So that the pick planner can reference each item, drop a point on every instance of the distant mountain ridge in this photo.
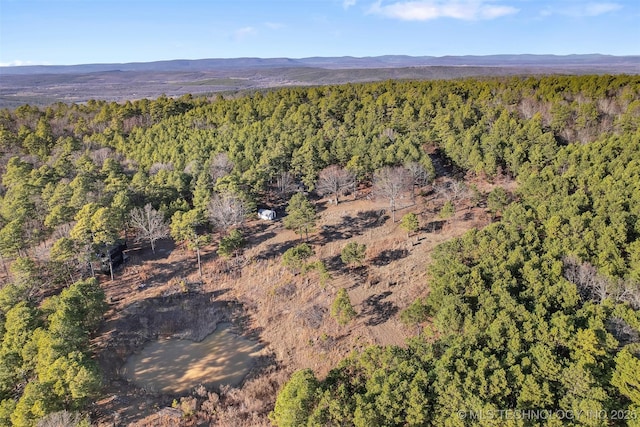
(46, 84)
(334, 63)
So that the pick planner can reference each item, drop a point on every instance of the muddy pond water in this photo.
(175, 366)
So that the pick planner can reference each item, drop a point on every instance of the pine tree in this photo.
(301, 215)
(410, 223)
(341, 308)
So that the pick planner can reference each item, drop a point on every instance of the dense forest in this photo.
(538, 311)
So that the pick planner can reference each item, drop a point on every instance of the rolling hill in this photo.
(43, 84)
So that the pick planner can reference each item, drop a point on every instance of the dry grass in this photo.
(287, 312)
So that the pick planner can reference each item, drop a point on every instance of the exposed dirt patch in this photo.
(176, 365)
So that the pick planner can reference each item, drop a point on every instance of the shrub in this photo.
(353, 253)
(294, 258)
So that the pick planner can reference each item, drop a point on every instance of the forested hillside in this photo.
(537, 311)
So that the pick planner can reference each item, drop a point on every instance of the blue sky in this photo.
(105, 31)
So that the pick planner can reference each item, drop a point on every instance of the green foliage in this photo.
(296, 257)
(20, 323)
(46, 365)
(448, 210)
(184, 227)
(11, 238)
(63, 249)
(417, 312)
(301, 215)
(7, 407)
(231, 244)
(497, 200)
(321, 268)
(105, 226)
(83, 229)
(410, 223)
(24, 272)
(294, 403)
(36, 401)
(376, 387)
(511, 331)
(353, 253)
(341, 308)
(82, 304)
(10, 295)
(73, 378)
(625, 377)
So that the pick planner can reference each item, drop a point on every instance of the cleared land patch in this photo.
(176, 366)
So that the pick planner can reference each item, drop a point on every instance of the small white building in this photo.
(267, 214)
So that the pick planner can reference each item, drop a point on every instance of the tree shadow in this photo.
(260, 232)
(377, 310)
(334, 263)
(387, 256)
(141, 251)
(434, 226)
(320, 205)
(276, 249)
(444, 166)
(351, 226)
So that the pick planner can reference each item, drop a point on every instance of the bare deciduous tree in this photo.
(63, 419)
(101, 154)
(226, 210)
(390, 183)
(590, 284)
(624, 333)
(597, 287)
(458, 190)
(453, 191)
(420, 176)
(285, 185)
(220, 166)
(157, 167)
(150, 224)
(629, 291)
(335, 181)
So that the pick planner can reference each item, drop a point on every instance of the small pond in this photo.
(175, 366)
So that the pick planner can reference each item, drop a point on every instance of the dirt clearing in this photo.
(176, 366)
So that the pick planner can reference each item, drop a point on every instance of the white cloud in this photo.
(274, 25)
(348, 3)
(595, 9)
(244, 32)
(578, 11)
(18, 63)
(426, 10)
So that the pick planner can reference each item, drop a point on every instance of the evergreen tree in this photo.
(353, 253)
(301, 215)
(341, 308)
(184, 228)
(410, 223)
